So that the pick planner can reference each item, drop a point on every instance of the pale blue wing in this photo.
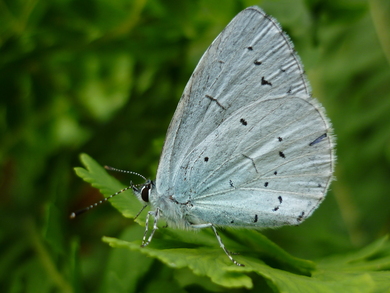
(247, 91)
(228, 77)
(272, 170)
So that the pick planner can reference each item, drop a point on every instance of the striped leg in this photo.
(219, 241)
(156, 215)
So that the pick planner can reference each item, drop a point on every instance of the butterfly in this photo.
(247, 146)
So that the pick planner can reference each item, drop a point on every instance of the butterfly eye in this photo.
(145, 190)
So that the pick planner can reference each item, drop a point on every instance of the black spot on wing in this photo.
(206, 159)
(243, 122)
(265, 82)
(318, 139)
(300, 217)
(280, 139)
(257, 62)
(256, 218)
(281, 154)
(266, 184)
(280, 202)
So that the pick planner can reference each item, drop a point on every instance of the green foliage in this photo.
(104, 77)
(178, 249)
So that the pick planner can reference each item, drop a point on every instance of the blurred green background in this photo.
(104, 77)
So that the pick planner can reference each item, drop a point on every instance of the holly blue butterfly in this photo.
(247, 146)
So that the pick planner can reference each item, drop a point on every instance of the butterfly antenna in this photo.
(79, 212)
(123, 171)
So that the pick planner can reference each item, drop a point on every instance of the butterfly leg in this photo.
(229, 254)
(156, 215)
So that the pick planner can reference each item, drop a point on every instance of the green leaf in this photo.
(202, 261)
(283, 281)
(121, 262)
(95, 174)
(189, 249)
(375, 256)
(355, 272)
